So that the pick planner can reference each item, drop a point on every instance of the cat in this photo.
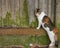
(46, 23)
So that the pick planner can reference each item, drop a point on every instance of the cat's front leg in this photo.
(39, 25)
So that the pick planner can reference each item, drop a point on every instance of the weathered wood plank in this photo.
(21, 31)
(31, 6)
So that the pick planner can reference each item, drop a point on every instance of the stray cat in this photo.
(47, 24)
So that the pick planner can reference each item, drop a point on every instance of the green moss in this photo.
(1, 21)
(7, 21)
(22, 21)
(34, 23)
(41, 38)
(58, 26)
(24, 40)
(18, 18)
(24, 18)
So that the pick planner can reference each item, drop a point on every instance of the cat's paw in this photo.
(51, 44)
(37, 28)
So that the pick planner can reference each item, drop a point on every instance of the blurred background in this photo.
(21, 13)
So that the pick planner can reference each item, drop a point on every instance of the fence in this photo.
(20, 13)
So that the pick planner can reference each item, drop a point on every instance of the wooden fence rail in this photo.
(21, 31)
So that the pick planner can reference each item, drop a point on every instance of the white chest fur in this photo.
(40, 16)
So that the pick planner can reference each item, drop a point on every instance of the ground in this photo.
(24, 40)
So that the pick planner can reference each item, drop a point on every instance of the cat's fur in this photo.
(47, 24)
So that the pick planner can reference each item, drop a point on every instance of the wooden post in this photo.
(49, 7)
(1, 13)
(54, 12)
